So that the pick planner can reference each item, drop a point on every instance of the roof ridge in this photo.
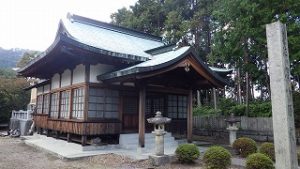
(161, 49)
(116, 28)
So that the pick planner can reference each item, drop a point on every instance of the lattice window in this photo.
(54, 105)
(39, 105)
(46, 103)
(111, 104)
(65, 104)
(103, 103)
(78, 103)
(154, 104)
(177, 106)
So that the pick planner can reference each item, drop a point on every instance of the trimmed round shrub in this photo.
(187, 153)
(244, 146)
(259, 161)
(217, 157)
(268, 149)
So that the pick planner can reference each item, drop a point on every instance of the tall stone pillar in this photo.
(282, 102)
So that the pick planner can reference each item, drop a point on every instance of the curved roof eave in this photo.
(63, 35)
(46, 52)
(136, 70)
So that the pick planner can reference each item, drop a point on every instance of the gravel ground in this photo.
(14, 154)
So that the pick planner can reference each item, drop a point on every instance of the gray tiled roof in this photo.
(157, 60)
(162, 60)
(109, 38)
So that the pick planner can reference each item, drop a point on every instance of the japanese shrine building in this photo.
(101, 80)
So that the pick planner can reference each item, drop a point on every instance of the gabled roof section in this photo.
(99, 38)
(110, 37)
(164, 60)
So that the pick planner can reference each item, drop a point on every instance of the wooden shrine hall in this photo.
(101, 80)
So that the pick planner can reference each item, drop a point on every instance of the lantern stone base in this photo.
(159, 160)
(232, 134)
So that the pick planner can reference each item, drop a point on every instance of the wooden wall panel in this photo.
(80, 128)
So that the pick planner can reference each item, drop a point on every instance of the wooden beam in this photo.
(42, 101)
(86, 96)
(59, 103)
(190, 117)
(71, 82)
(50, 95)
(71, 103)
(142, 108)
(120, 107)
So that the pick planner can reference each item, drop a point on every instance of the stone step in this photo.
(136, 135)
(130, 141)
(147, 140)
(148, 146)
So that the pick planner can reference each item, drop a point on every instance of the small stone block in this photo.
(159, 160)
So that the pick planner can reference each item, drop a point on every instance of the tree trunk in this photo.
(267, 78)
(215, 98)
(239, 92)
(198, 98)
(247, 93)
(246, 61)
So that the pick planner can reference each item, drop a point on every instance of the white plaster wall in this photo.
(39, 90)
(66, 78)
(55, 81)
(47, 88)
(79, 74)
(33, 96)
(99, 69)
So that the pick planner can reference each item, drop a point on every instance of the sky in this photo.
(32, 24)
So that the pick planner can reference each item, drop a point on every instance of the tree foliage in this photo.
(224, 33)
(12, 94)
(26, 58)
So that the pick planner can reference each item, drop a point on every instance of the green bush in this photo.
(298, 157)
(268, 150)
(225, 104)
(217, 157)
(238, 110)
(244, 146)
(259, 161)
(206, 111)
(260, 109)
(187, 153)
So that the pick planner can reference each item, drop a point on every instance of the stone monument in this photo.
(232, 127)
(159, 158)
(281, 96)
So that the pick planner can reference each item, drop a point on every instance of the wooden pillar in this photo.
(48, 133)
(57, 135)
(190, 117)
(83, 140)
(68, 137)
(87, 88)
(142, 108)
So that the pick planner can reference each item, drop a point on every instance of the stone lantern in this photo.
(232, 127)
(159, 130)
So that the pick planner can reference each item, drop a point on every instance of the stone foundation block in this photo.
(159, 160)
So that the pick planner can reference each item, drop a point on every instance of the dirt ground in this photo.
(14, 154)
